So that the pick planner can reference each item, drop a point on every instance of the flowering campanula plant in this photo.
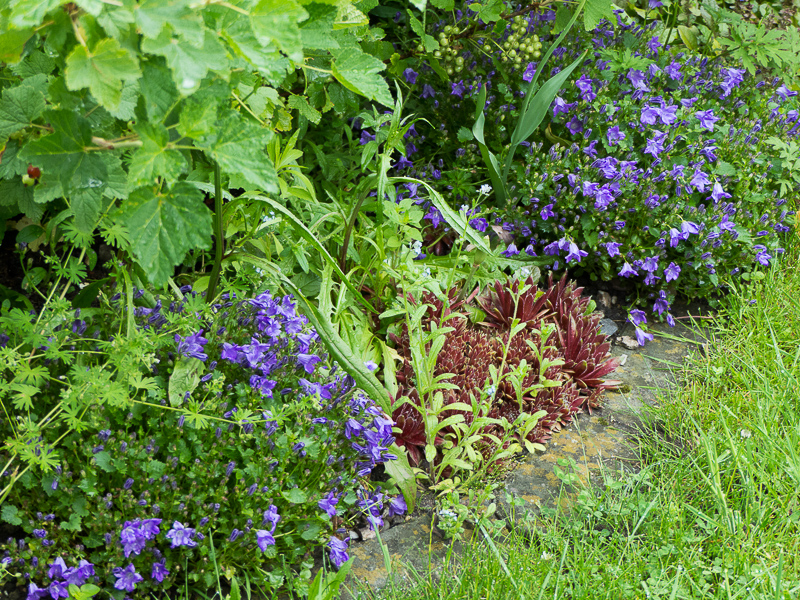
(667, 177)
(234, 427)
(667, 172)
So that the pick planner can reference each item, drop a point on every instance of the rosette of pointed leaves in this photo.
(574, 350)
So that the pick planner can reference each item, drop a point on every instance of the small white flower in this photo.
(745, 433)
(426, 272)
(525, 272)
(546, 556)
(491, 390)
(464, 208)
(416, 247)
(485, 189)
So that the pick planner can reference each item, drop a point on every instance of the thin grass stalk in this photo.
(219, 236)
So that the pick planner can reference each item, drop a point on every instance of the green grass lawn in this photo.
(715, 508)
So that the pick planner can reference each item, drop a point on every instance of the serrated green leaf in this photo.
(63, 152)
(118, 20)
(103, 460)
(488, 11)
(267, 59)
(360, 73)
(188, 62)
(79, 506)
(127, 103)
(295, 496)
(238, 146)
(444, 4)
(185, 378)
(86, 194)
(596, 10)
(11, 165)
(277, 21)
(465, 135)
(349, 16)
(165, 226)
(116, 179)
(305, 109)
(315, 32)
(12, 40)
(31, 12)
(158, 90)
(154, 158)
(35, 63)
(153, 16)
(103, 71)
(197, 118)
(74, 523)
(21, 105)
(9, 514)
(93, 7)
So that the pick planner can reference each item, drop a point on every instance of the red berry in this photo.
(34, 172)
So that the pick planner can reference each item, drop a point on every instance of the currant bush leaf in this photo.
(35, 63)
(158, 91)
(64, 152)
(26, 13)
(595, 11)
(197, 118)
(103, 71)
(316, 31)
(276, 21)
(188, 61)
(360, 73)
(266, 58)
(153, 16)
(305, 109)
(238, 146)
(164, 226)
(154, 158)
(13, 40)
(21, 105)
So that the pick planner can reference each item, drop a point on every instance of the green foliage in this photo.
(747, 32)
(208, 417)
(137, 102)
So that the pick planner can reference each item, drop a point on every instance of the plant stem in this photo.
(219, 241)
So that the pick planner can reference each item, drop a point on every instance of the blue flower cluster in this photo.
(660, 170)
(61, 577)
(290, 440)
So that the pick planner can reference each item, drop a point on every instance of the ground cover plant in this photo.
(666, 170)
(533, 364)
(164, 165)
(713, 510)
(255, 439)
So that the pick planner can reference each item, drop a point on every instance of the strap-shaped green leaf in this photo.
(538, 108)
(309, 237)
(403, 476)
(489, 159)
(536, 105)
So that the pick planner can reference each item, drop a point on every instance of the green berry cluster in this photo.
(519, 48)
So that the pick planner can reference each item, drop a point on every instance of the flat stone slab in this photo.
(596, 442)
